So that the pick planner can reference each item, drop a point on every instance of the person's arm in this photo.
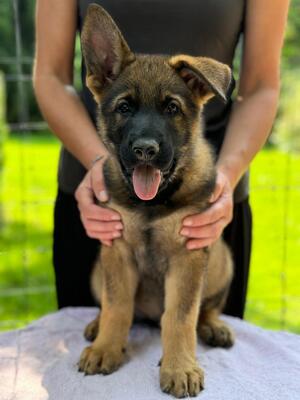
(252, 116)
(53, 80)
(65, 113)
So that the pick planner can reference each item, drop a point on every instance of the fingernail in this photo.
(119, 226)
(116, 234)
(188, 222)
(115, 217)
(103, 196)
(184, 232)
(191, 246)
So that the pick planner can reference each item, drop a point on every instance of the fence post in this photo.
(3, 126)
(3, 134)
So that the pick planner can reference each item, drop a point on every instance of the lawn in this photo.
(274, 290)
(26, 202)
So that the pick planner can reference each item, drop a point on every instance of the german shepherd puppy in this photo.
(160, 170)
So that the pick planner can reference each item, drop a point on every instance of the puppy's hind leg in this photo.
(92, 329)
(211, 329)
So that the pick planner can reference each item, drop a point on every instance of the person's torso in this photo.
(195, 27)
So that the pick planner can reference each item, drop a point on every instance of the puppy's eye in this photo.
(123, 107)
(172, 108)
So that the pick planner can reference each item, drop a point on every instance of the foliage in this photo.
(287, 129)
(8, 49)
(25, 262)
(26, 11)
(291, 54)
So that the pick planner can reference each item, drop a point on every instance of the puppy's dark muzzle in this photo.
(145, 150)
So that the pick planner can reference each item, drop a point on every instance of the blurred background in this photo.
(28, 163)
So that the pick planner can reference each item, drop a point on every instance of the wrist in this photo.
(230, 173)
(96, 159)
(99, 158)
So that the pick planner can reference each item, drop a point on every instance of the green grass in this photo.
(26, 275)
(274, 291)
(28, 189)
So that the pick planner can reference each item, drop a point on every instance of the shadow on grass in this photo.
(25, 256)
(260, 314)
(15, 234)
(26, 264)
(17, 311)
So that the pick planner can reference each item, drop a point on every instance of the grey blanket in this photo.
(39, 362)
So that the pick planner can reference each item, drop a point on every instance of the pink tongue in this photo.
(146, 181)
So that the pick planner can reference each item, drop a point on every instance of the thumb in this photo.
(102, 196)
(98, 185)
(217, 191)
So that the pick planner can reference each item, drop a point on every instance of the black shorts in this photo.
(74, 254)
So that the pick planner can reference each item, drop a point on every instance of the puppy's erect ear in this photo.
(105, 51)
(204, 76)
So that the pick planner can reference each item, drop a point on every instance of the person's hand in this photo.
(204, 229)
(100, 223)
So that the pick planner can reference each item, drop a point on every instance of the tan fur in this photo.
(188, 278)
(118, 286)
(149, 271)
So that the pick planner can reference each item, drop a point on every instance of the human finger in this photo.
(217, 191)
(195, 244)
(107, 242)
(103, 235)
(97, 181)
(101, 226)
(213, 230)
(211, 215)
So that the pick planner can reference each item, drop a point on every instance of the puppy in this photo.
(160, 170)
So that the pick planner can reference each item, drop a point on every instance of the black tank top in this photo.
(209, 28)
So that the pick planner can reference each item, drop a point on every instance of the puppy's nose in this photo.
(145, 149)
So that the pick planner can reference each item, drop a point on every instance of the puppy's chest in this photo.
(151, 256)
(155, 242)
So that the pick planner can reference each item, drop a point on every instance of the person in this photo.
(237, 129)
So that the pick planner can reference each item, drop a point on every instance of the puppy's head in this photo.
(149, 105)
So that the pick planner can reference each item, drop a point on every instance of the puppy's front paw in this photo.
(182, 381)
(99, 360)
